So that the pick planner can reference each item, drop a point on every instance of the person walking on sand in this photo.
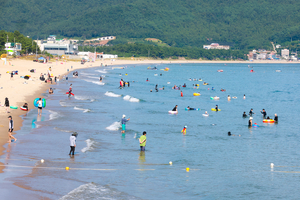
(6, 103)
(10, 130)
(124, 120)
(40, 106)
(142, 141)
(72, 144)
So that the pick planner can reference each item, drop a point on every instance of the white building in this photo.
(216, 46)
(13, 48)
(285, 53)
(107, 38)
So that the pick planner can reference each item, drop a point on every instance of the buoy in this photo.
(272, 165)
(67, 168)
(187, 169)
(170, 163)
(42, 160)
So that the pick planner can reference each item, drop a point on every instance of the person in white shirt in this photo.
(72, 144)
(40, 106)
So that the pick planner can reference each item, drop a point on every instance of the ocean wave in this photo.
(64, 104)
(53, 115)
(94, 77)
(81, 98)
(111, 94)
(95, 82)
(95, 191)
(101, 71)
(114, 126)
(131, 99)
(89, 145)
(62, 130)
(83, 109)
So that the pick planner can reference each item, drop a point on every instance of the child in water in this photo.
(184, 130)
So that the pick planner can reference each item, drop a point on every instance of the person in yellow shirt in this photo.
(142, 140)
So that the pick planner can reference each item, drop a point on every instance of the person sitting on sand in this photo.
(25, 105)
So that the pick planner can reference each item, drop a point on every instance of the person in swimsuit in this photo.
(7, 104)
(264, 113)
(10, 130)
(244, 114)
(40, 106)
(250, 122)
(175, 108)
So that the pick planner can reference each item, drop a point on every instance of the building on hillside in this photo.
(216, 46)
(285, 53)
(91, 56)
(13, 48)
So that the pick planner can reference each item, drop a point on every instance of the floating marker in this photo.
(187, 169)
(170, 163)
(42, 160)
(67, 168)
(272, 165)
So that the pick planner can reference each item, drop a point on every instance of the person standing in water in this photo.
(121, 83)
(264, 113)
(217, 108)
(228, 98)
(142, 141)
(40, 106)
(10, 130)
(124, 121)
(70, 90)
(72, 144)
(276, 118)
(250, 122)
(251, 112)
(244, 96)
(244, 114)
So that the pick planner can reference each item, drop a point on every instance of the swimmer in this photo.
(244, 114)
(229, 134)
(217, 109)
(228, 98)
(50, 91)
(264, 113)
(181, 94)
(206, 113)
(251, 112)
(147, 79)
(184, 130)
(250, 122)
(191, 108)
(100, 79)
(276, 118)
(150, 90)
(175, 108)
(244, 97)
(212, 88)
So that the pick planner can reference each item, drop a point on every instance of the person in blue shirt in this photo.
(124, 120)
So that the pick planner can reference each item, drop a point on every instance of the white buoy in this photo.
(272, 165)
(170, 163)
(42, 160)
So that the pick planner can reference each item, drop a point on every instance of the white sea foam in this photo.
(111, 94)
(95, 82)
(114, 126)
(81, 98)
(83, 109)
(94, 77)
(95, 192)
(101, 71)
(89, 145)
(64, 104)
(131, 99)
(53, 115)
(62, 130)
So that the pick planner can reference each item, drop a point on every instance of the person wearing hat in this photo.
(72, 144)
(10, 130)
(142, 141)
(250, 121)
(124, 120)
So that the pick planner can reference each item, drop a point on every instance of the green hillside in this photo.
(239, 23)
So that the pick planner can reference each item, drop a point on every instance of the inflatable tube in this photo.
(24, 109)
(270, 121)
(234, 97)
(205, 84)
(197, 85)
(173, 112)
(192, 109)
(214, 98)
(213, 109)
(35, 102)
(14, 107)
(205, 115)
(255, 125)
(196, 94)
(71, 93)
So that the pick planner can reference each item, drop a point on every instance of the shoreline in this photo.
(62, 70)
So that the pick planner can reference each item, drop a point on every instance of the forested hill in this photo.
(247, 24)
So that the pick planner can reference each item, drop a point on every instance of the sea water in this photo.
(109, 165)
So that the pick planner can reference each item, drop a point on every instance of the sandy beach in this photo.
(18, 90)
